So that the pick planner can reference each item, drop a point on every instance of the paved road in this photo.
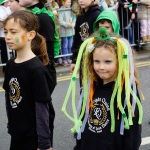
(63, 138)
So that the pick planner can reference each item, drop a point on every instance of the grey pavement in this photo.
(141, 55)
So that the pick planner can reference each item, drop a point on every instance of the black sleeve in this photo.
(134, 7)
(52, 77)
(41, 86)
(42, 125)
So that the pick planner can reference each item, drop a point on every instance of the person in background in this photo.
(4, 12)
(127, 11)
(108, 4)
(67, 21)
(110, 117)
(84, 26)
(14, 5)
(54, 6)
(28, 84)
(144, 18)
(109, 20)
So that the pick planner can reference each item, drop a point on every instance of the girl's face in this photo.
(67, 3)
(105, 64)
(14, 5)
(27, 3)
(15, 36)
(85, 3)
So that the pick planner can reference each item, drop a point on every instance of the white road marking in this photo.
(145, 140)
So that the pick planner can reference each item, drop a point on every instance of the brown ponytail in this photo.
(39, 48)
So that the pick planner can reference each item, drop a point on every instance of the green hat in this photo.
(109, 15)
(3, 1)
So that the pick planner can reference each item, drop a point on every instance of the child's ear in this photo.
(31, 35)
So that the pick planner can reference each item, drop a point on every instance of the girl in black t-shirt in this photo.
(109, 112)
(28, 85)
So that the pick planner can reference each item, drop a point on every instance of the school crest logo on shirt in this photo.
(98, 117)
(84, 31)
(14, 93)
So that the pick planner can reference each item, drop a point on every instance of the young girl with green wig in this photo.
(109, 113)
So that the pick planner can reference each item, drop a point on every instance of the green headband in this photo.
(103, 34)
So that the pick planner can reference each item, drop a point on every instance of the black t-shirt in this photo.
(25, 83)
(84, 28)
(97, 134)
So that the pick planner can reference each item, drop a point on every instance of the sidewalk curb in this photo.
(141, 57)
(62, 69)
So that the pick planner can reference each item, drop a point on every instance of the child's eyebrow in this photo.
(10, 29)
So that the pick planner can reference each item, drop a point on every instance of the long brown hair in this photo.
(60, 2)
(53, 3)
(82, 10)
(29, 22)
(108, 2)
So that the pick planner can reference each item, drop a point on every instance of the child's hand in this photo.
(70, 23)
(116, 6)
(133, 16)
(134, 1)
(72, 66)
(125, 6)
